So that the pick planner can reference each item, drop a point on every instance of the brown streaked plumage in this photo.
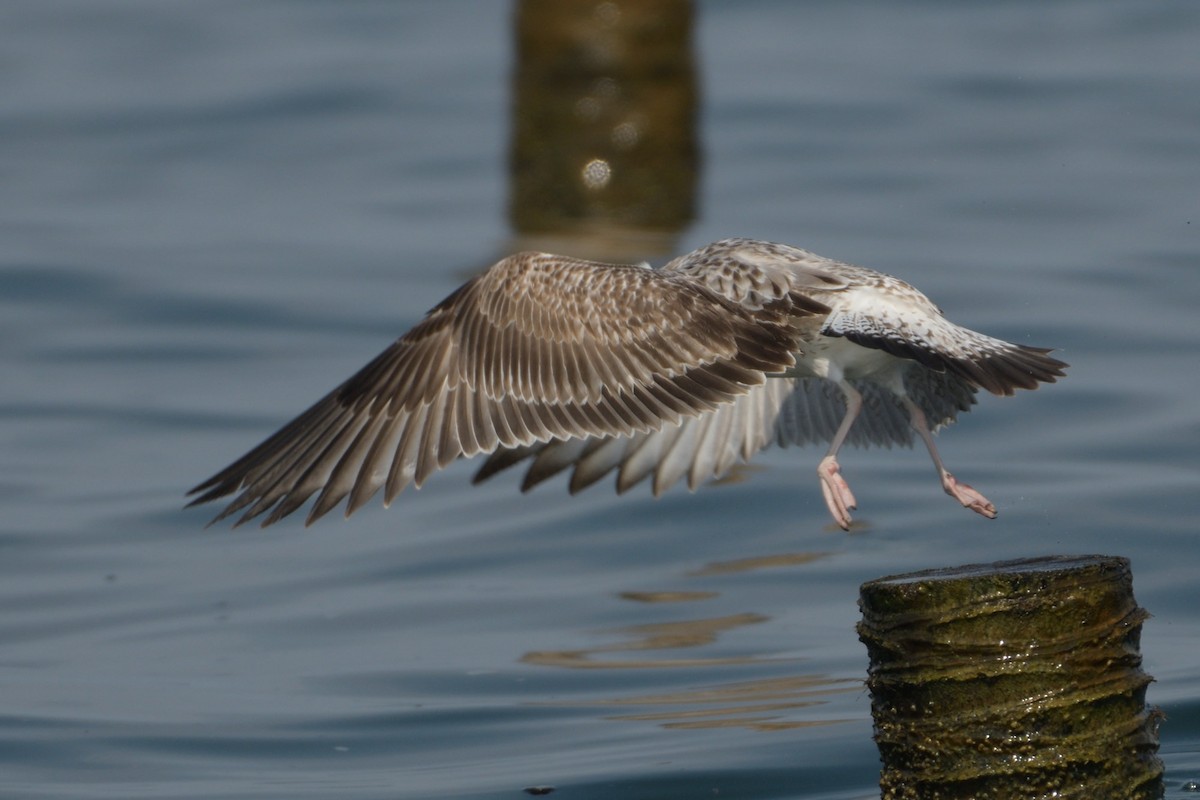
(654, 373)
(882, 364)
(538, 348)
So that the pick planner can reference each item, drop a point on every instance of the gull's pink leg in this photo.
(959, 491)
(838, 497)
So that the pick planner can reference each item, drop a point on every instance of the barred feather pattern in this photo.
(663, 375)
(918, 353)
(539, 348)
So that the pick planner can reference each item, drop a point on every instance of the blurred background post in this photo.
(604, 158)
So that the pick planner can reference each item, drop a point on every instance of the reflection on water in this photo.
(738, 473)
(756, 563)
(766, 704)
(774, 703)
(655, 636)
(679, 634)
(666, 597)
(761, 705)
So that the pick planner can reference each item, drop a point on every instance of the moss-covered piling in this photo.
(1019, 679)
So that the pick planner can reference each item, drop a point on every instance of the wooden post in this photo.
(1019, 679)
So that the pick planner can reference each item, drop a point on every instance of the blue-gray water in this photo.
(212, 212)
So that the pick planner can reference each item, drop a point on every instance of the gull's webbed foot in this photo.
(968, 496)
(838, 496)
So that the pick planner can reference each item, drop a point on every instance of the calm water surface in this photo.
(213, 212)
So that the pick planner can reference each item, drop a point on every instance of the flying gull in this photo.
(656, 374)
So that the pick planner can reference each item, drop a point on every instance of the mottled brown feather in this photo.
(655, 374)
(941, 366)
(538, 348)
